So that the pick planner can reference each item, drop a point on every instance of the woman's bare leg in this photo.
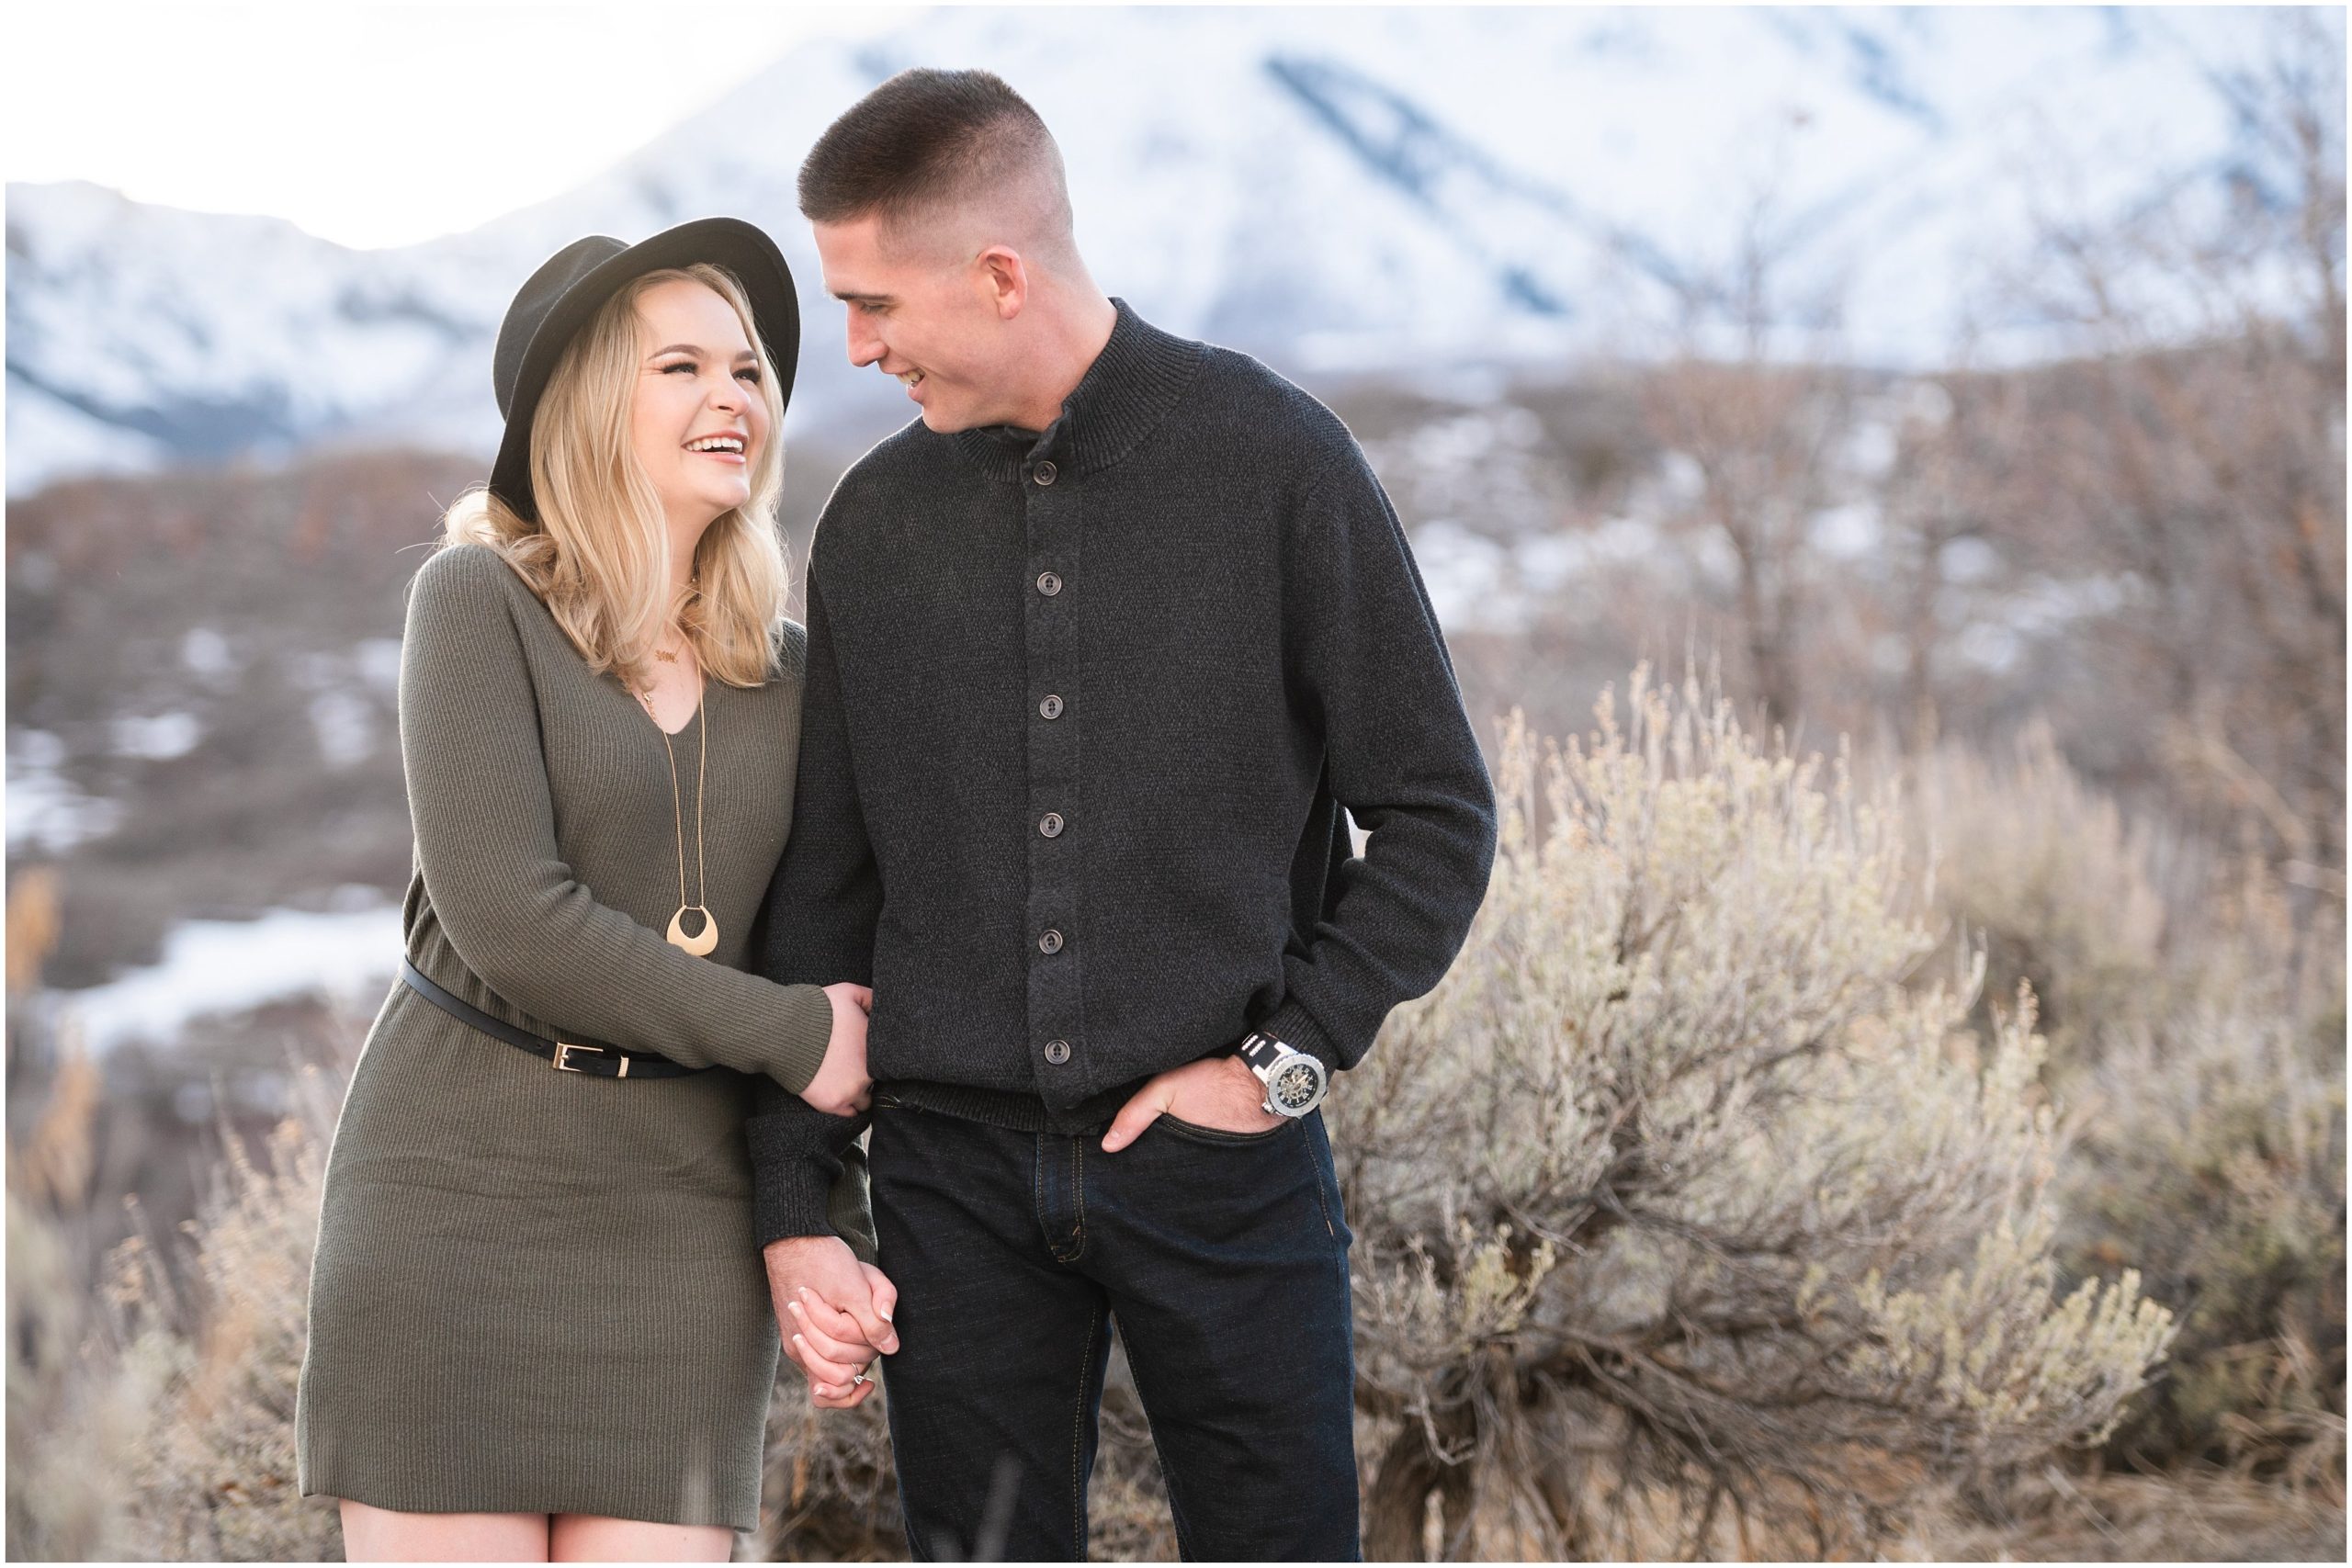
(386, 1535)
(592, 1537)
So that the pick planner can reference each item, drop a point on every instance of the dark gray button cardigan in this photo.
(1197, 565)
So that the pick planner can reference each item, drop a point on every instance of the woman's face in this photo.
(696, 422)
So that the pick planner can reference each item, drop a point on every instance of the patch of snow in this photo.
(1847, 532)
(1680, 478)
(1968, 560)
(157, 738)
(215, 966)
(1463, 571)
(346, 725)
(36, 748)
(205, 653)
(1870, 447)
(49, 439)
(1991, 648)
(377, 662)
(46, 810)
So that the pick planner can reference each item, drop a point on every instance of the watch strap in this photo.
(1261, 1050)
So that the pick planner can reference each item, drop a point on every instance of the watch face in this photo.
(1297, 1085)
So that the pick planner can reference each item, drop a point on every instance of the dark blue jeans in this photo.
(1224, 1259)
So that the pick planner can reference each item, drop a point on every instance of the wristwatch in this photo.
(1295, 1082)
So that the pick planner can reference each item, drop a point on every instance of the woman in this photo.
(540, 1325)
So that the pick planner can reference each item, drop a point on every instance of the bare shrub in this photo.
(2213, 1154)
(2061, 889)
(74, 1412)
(211, 1471)
(2192, 458)
(827, 1494)
(2201, 1047)
(1676, 1211)
(830, 1494)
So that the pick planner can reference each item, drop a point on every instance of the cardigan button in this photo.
(1050, 943)
(1049, 584)
(1045, 473)
(1057, 1052)
(1050, 708)
(1050, 825)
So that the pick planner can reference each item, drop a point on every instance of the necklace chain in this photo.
(708, 939)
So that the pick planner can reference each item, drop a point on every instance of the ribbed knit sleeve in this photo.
(481, 808)
(1371, 665)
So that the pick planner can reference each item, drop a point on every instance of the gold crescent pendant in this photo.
(697, 946)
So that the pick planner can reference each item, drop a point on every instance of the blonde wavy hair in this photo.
(595, 556)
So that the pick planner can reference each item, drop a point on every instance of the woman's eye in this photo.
(750, 375)
(685, 365)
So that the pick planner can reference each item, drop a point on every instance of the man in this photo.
(1098, 649)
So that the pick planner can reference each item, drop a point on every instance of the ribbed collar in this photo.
(1123, 397)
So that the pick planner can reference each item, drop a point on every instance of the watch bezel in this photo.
(1286, 1057)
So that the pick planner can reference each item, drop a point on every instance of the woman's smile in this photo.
(726, 446)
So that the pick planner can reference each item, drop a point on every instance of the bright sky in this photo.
(371, 125)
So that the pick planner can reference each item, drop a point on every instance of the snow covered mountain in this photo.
(1404, 191)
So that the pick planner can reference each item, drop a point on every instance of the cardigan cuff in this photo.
(791, 1204)
(795, 1185)
(1295, 1027)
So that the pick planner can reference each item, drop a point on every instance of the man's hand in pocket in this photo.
(1215, 1091)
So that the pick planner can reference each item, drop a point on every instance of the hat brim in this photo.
(741, 248)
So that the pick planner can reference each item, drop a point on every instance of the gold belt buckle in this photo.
(564, 1047)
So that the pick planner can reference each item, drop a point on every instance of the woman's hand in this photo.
(836, 1314)
(840, 1085)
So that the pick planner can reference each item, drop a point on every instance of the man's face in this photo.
(928, 318)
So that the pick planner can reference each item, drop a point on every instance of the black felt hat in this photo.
(557, 300)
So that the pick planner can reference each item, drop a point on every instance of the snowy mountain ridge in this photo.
(1407, 192)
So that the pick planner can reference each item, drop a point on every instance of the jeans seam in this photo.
(1307, 1148)
(1062, 1251)
(1078, 1443)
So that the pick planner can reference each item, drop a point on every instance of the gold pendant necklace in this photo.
(702, 945)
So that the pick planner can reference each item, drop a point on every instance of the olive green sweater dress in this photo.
(538, 1290)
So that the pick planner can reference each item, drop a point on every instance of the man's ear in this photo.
(1003, 278)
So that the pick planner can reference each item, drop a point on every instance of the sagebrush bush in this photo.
(1674, 1202)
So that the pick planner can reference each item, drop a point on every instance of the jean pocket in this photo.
(1201, 1134)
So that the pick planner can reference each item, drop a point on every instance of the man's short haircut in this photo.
(929, 140)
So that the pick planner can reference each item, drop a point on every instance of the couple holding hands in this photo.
(1038, 934)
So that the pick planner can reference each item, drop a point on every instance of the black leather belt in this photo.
(568, 1055)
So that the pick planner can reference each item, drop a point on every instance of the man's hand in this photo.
(840, 1085)
(834, 1312)
(1215, 1091)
